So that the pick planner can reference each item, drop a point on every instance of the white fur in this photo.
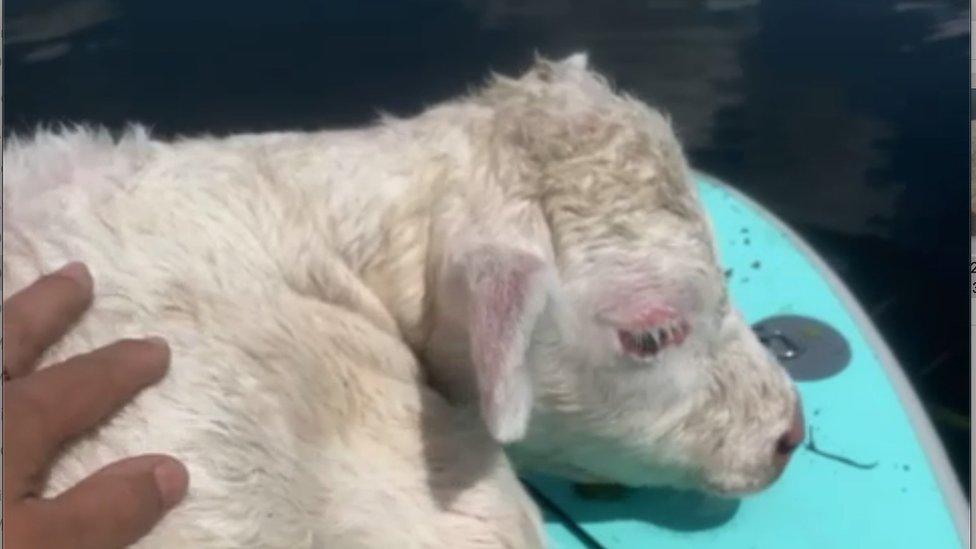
(298, 276)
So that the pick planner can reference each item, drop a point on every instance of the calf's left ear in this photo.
(507, 292)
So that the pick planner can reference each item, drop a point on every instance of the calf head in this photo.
(579, 300)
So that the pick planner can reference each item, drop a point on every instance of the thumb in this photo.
(117, 505)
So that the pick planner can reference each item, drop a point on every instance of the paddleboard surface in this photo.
(877, 475)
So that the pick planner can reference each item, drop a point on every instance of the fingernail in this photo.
(172, 480)
(159, 342)
(78, 272)
(163, 347)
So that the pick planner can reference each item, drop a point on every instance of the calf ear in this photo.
(507, 291)
(579, 61)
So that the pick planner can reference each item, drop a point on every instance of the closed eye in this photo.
(648, 343)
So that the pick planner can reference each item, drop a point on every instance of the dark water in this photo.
(846, 118)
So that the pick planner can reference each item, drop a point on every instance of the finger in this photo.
(57, 403)
(23, 523)
(117, 505)
(37, 316)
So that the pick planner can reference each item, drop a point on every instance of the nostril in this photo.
(787, 443)
(792, 438)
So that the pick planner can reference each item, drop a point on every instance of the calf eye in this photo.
(650, 342)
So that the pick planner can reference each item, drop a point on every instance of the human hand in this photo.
(116, 505)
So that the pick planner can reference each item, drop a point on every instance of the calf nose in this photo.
(793, 437)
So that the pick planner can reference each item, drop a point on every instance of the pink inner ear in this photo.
(506, 298)
(496, 310)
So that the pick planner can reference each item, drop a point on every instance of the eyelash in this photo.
(649, 343)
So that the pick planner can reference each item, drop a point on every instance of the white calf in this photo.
(538, 244)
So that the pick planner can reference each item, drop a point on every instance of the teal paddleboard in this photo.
(876, 475)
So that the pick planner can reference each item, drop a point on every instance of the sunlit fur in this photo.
(595, 183)
(298, 276)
